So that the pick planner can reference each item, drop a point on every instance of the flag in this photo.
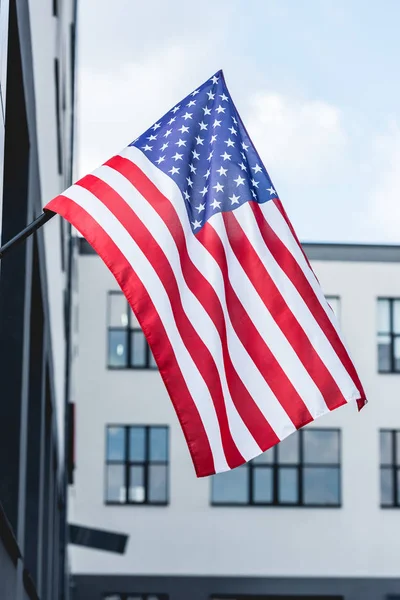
(189, 223)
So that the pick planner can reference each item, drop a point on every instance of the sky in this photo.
(315, 81)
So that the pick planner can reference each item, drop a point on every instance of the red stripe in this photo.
(204, 292)
(281, 313)
(151, 323)
(295, 273)
(251, 339)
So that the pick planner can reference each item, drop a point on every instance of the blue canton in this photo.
(204, 147)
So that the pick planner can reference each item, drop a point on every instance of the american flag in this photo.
(188, 221)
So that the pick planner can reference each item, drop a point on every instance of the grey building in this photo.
(37, 57)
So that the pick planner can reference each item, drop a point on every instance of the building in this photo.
(317, 518)
(37, 56)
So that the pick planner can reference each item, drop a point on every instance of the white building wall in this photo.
(190, 537)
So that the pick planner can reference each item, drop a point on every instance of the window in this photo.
(58, 115)
(135, 597)
(334, 303)
(388, 335)
(302, 470)
(390, 467)
(137, 465)
(127, 346)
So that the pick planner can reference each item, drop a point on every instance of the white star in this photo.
(215, 204)
(271, 191)
(147, 148)
(192, 168)
(234, 199)
(214, 79)
(195, 92)
(210, 95)
(239, 181)
(180, 143)
(226, 156)
(244, 146)
(190, 182)
(191, 103)
(168, 132)
(257, 169)
(230, 143)
(203, 126)
(164, 146)
(213, 139)
(151, 138)
(223, 97)
(204, 191)
(253, 194)
(234, 120)
(177, 156)
(233, 130)
(160, 160)
(195, 155)
(243, 167)
(216, 123)
(210, 156)
(174, 170)
(196, 224)
(184, 129)
(207, 111)
(187, 116)
(171, 120)
(255, 183)
(199, 140)
(222, 171)
(207, 175)
(156, 126)
(218, 187)
(187, 197)
(243, 155)
(220, 109)
(201, 207)
(175, 110)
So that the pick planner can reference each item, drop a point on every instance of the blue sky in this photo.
(314, 80)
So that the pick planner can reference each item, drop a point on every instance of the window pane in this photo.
(385, 438)
(114, 597)
(396, 350)
(265, 457)
(288, 485)
(321, 485)
(152, 362)
(138, 349)
(136, 484)
(396, 316)
(117, 350)
(334, 303)
(157, 483)
(288, 449)
(321, 446)
(398, 486)
(383, 316)
(116, 490)
(118, 310)
(387, 492)
(262, 485)
(231, 487)
(116, 443)
(384, 360)
(158, 444)
(137, 444)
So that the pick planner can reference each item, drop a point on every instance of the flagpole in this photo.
(29, 229)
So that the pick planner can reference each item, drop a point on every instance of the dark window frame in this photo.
(142, 596)
(391, 334)
(58, 115)
(129, 330)
(393, 466)
(300, 466)
(127, 463)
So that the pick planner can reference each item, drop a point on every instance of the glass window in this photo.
(390, 467)
(302, 470)
(388, 335)
(127, 345)
(137, 465)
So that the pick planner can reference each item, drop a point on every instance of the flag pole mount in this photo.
(25, 233)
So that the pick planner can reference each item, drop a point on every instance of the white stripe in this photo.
(199, 391)
(267, 326)
(244, 366)
(295, 303)
(194, 310)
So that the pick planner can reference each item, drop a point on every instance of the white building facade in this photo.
(315, 518)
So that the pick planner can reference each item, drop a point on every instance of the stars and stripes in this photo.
(189, 223)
